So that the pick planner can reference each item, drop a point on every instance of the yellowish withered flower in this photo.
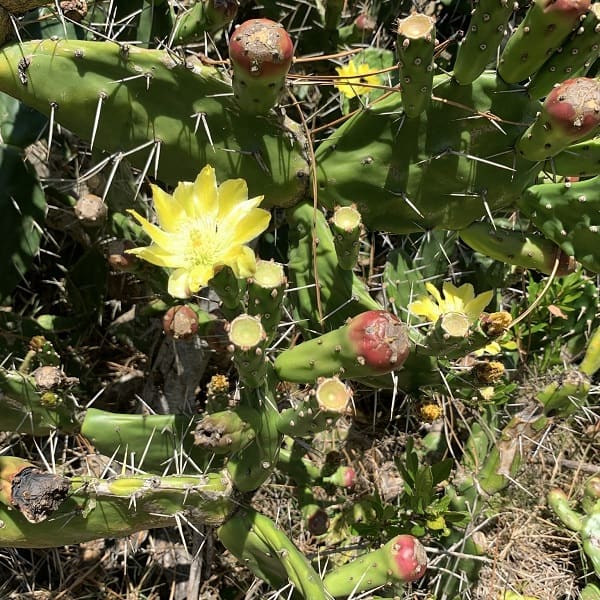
(430, 412)
(202, 227)
(361, 81)
(456, 300)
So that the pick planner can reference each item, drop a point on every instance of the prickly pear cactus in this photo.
(332, 257)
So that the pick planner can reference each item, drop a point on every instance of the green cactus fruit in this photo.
(517, 248)
(318, 411)
(570, 112)
(568, 214)
(117, 507)
(489, 20)
(119, 103)
(445, 169)
(230, 290)
(313, 261)
(154, 443)
(266, 289)
(248, 343)
(453, 335)
(204, 16)
(402, 560)
(544, 28)
(372, 343)
(226, 431)
(261, 53)
(574, 57)
(346, 227)
(26, 409)
(416, 44)
(578, 160)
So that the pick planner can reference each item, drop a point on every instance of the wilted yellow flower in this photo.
(203, 227)
(360, 74)
(456, 300)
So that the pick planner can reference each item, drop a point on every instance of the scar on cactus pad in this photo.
(203, 227)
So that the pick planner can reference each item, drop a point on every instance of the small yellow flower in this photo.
(430, 412)
(359, 74)
(456, 300)
(203, 227)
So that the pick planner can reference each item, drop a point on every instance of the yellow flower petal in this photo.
(157, 235)
(242, 261)
(434, 292)
(157, 256)
(231, 194)
(456, 298)
(204, 228)
(425, 307)
(200, 275)
(169, 211)
(179, 284)
(251, 226)
(475, 307)
(206, 196)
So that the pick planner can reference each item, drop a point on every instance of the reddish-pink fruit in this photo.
(180, 322)
(574, 106)
(571, 9)
(262, 48)
(380, 338)
(408, 557)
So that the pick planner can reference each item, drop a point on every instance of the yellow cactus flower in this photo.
(430, 412)
(456, 300)
(360, 74)
(202, 228)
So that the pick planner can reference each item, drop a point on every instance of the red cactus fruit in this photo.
(408, 558)
(574, 106)
(262, 48)
(180, 322)
(379, 339)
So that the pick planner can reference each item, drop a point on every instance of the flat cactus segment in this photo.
(438, 170)
(487, 27)
(127, 98)
(342, 293)
(117, 507)
(516, 248)
(570, 113)
(574, 57)
(544, 28)
(416, 44)
(578, 160)
(154, 443)
(204, 17)
(568, 214)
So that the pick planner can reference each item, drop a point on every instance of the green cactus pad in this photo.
(544, 28)
(487, 27)
(568, 214)
(433, 171)
(128, 86)
(117, 507)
